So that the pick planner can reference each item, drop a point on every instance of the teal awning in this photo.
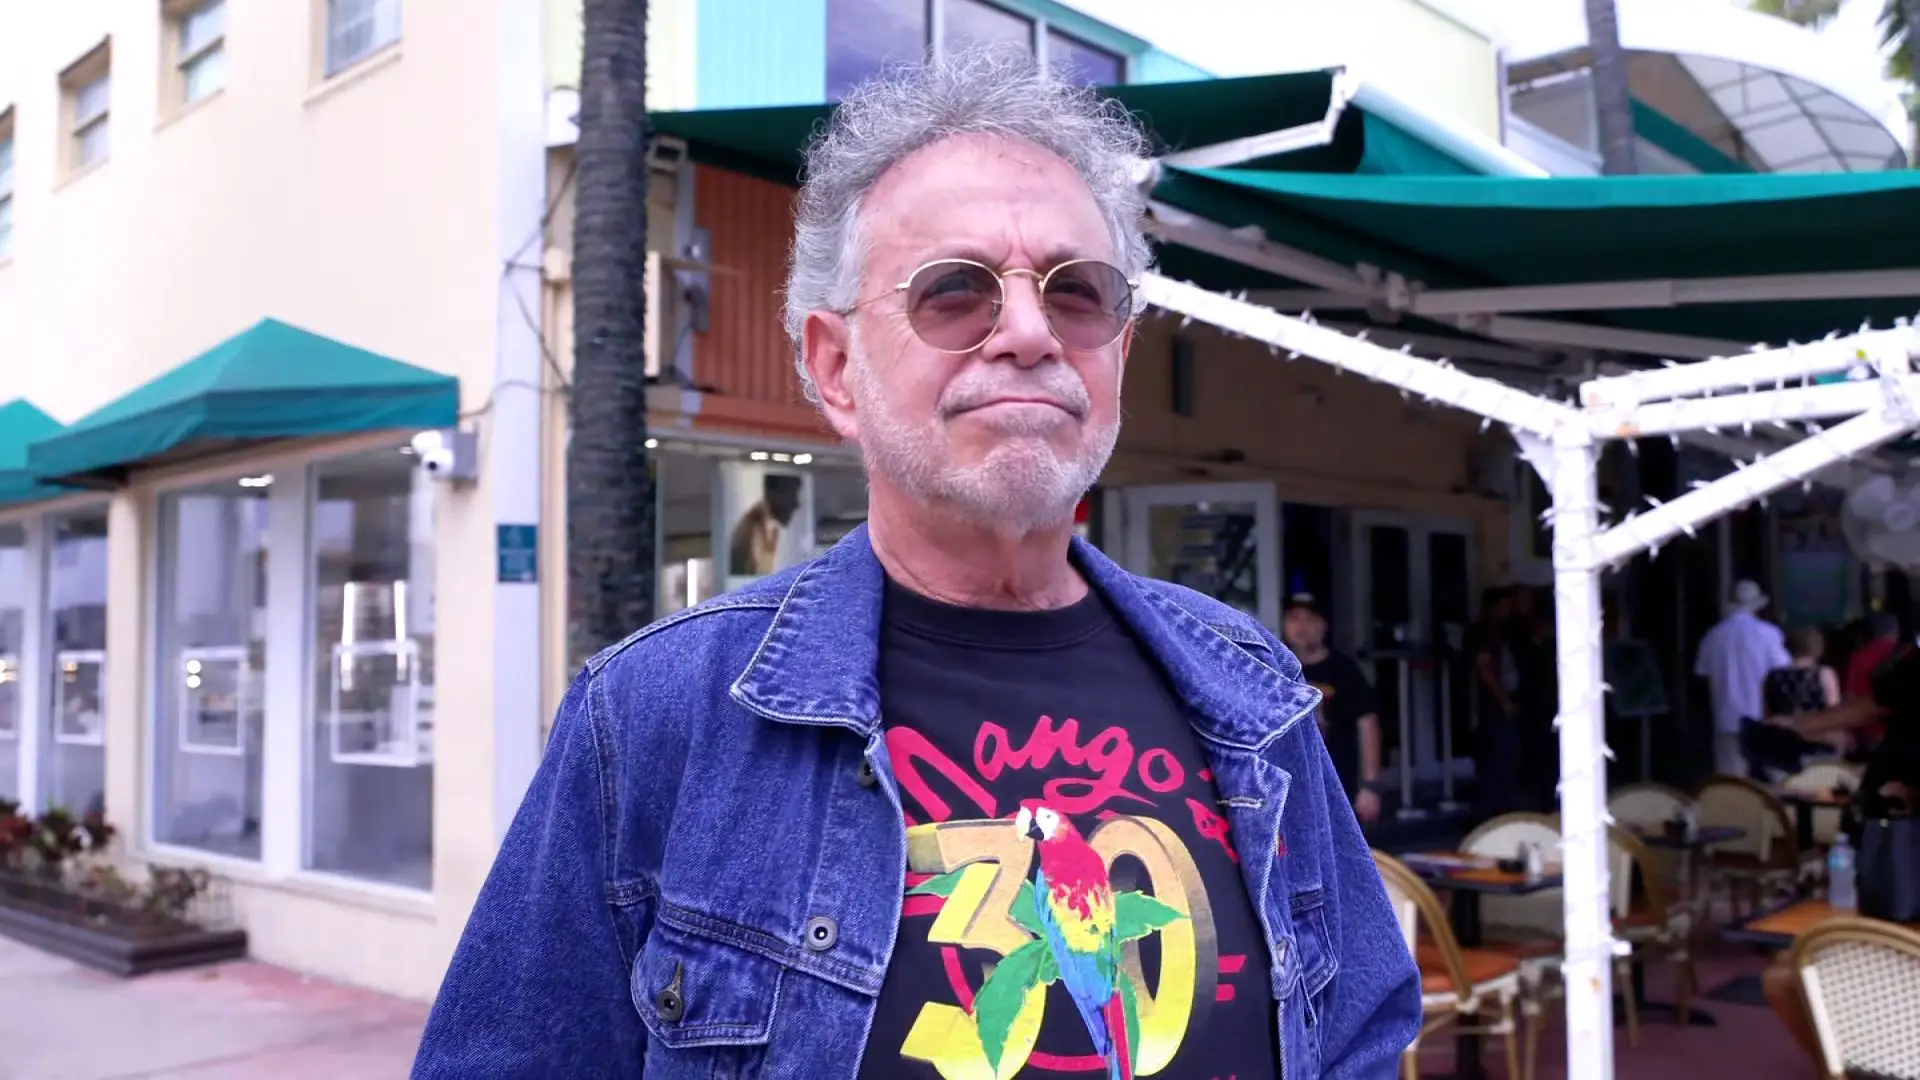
(768, 142)
(273, 381)
(1489, 232)
(21, 425)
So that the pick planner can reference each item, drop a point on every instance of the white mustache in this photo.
(1053, 382)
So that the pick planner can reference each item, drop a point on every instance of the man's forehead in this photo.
(977, 196)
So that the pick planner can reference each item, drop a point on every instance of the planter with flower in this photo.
(60, 890)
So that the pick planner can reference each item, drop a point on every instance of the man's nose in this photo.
(1022, 336)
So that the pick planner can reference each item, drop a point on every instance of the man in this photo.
(933, 803)
(1349, 712)
(1734, 658)
(1883, 631)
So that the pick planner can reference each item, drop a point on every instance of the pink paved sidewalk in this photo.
(241, 1020)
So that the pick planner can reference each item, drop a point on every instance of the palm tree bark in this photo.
(1612, 98)
(610, 495)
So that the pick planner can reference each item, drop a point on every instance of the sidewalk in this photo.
(60, 1021)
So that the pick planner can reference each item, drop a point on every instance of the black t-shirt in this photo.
(1345, 697)
(1896, 688)
(1045, 753)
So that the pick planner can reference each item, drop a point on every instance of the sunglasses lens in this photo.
(953, 305)
(1088, 304)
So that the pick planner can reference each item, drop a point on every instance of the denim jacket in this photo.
(705, 877)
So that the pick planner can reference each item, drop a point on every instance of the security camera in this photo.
(450, 455)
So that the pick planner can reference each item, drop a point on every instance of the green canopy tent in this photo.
(22, 424)
(1690, 266)
(271, 381)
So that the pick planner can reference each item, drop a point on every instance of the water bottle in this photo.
(1536, 862)
(1841, 895)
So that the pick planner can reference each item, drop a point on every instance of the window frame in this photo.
(11, 148)
(95, 69)
(326, 64)
(157, 688)
(177, 61)
(1043, 29)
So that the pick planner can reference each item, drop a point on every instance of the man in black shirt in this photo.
(1894, 769)
(1349, 710)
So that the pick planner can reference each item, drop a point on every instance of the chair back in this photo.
(1504, 837)
(1862, 977)
(1821, 777)
(1415, 904)
(1631, 858)
(1648, 806)
(1739, 802)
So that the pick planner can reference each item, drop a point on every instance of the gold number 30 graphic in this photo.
(978, 914)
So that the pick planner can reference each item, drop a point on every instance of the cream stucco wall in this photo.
(1421, 51)
(365, 208)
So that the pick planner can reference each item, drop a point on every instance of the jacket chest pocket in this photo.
(708, 1006)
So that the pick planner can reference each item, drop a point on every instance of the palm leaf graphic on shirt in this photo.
(997, 1005)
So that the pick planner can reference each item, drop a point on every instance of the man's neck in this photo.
(944, 558)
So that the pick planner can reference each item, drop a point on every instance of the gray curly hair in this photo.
(995, 90)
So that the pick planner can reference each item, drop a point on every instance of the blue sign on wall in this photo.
(519, 553)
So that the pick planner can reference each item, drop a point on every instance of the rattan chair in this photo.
(1862, 982)
(1457, 986)
(1766, 860)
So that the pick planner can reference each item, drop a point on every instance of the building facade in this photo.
(237, 644)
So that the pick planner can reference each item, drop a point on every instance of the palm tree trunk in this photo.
(610, 498)
(1613, 100)
(1908, 12)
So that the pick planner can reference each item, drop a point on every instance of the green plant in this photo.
(170, 890)
(57, 836)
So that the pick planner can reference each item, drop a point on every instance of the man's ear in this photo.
(826, 343)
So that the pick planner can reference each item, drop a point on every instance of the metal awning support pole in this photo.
(1584, 844)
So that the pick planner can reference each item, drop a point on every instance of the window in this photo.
(965, 23)
(370, 771)
(863, 36)
(76, 769)
(1076, 61)
(211, 668)
(13, 627)
(87, 91)
(6, 182)
(197, 62)
(356, 29)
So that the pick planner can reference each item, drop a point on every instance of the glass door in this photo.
(1219, 539)
(1411, 593)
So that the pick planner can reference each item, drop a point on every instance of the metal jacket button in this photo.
(868, 777)
(821, 933)
(672, 1007)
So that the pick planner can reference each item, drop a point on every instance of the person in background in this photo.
(1496, 679)
(1883, 630)
(1349, 710)
(1537, 697)
(1802, 687)
(1734, 658)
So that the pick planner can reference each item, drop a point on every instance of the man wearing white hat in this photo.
(1734, 658)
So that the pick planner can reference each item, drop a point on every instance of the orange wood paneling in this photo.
(745, 354)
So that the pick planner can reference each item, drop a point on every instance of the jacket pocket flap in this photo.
(692, 990)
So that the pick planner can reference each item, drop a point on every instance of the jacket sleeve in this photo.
(539, 983)
(1373, 1011)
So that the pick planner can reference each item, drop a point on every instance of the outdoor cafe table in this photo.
(1777, 929)
(1689, 848)
(1467, 878)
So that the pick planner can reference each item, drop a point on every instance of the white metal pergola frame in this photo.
(1563, 442)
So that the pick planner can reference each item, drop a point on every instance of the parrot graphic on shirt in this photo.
(1074, 906)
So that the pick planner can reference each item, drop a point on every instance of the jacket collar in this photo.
(818, 662)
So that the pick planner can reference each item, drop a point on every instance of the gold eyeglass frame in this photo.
(1000, 278)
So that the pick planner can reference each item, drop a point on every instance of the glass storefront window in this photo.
(761, 512)
(212, 668)
(76, 768)
(370, 764)
(13, 628)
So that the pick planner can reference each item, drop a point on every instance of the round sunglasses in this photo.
(954, 305)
